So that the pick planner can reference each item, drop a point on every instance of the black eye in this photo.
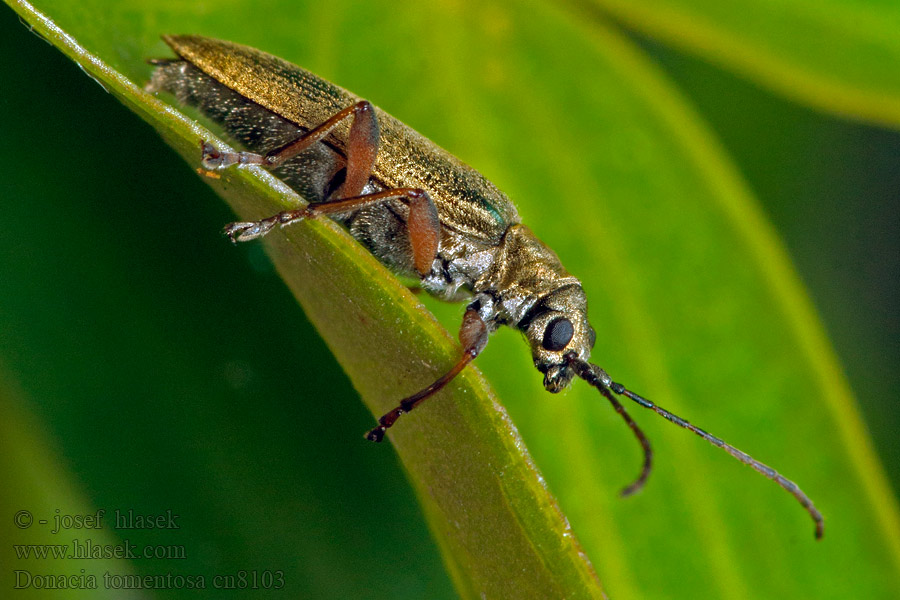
(592, 336)
(558, 334)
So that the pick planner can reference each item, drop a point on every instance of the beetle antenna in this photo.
(645, 444)
(599, 378)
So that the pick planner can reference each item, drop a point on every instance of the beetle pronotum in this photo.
(417, 208)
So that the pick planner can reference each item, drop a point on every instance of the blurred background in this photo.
(139, 312)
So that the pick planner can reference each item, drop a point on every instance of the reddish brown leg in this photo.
(362, 149)
(473, 335)
(423, 224)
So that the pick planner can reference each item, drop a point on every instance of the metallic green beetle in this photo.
(417, 208)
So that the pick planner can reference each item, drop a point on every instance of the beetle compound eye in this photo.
(558, 334)
(592, 337)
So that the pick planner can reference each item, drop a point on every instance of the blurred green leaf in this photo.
(694, 301)
(840, 56)
(36, 471)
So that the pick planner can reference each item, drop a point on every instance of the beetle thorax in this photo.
(528, 288)
(523, 272)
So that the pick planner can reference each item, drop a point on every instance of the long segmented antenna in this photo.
(645, 444)
(598, 378)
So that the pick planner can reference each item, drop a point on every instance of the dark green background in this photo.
(135, 316)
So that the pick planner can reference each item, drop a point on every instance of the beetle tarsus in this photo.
(210, 157)
(376, 434)
(213, 159)
(247, 230)
(242, 231)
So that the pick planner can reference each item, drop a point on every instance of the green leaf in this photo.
(840, 56)
(693, 299)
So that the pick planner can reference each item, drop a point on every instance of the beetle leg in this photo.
(361, 148)
(423, 224)
(473, 335)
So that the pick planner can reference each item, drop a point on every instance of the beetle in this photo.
(417, 208)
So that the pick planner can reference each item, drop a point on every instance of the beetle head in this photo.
(558, 331)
